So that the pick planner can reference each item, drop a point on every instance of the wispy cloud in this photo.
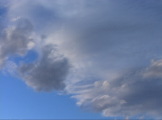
(135, 92)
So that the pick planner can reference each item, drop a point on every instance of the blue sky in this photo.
(20, 102)
(86, 59)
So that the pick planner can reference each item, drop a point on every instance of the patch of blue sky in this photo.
(18, 101)
(30, 57)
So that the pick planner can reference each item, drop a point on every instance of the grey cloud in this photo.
(45, 74)
(137, 92)
(111, 40)
(115, 36)
(48, 73)
(155, 70)
(15, 39)
(111, 32)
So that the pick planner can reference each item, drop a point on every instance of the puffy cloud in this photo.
(48, 73)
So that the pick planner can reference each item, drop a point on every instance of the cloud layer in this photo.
(105, 53)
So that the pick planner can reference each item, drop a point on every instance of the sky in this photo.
(80, 59)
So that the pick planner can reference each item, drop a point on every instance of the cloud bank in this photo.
(104, 53)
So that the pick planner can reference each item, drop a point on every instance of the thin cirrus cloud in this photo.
(106, 54)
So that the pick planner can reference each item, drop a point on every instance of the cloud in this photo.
(110, 45)
(15, 39)
(154, 70)
(50, 69)
(137, 92)
(48, 73)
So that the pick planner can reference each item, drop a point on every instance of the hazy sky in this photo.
(80, 58)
